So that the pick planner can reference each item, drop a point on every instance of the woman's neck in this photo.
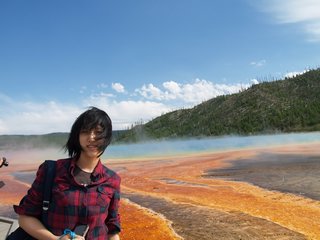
(87, 164)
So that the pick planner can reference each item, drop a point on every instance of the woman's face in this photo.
(90, 142)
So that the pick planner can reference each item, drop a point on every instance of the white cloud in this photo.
(293, 74)
(136, 111)
(36, 118)
(118, 87)
(294, 11)
(259, 63)
(254, 81)
(190, 93)
(150, 91)
(47, 117)
(172, 87)
(306, 13)
(126, 112)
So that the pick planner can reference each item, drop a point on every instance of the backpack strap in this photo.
(47, 189)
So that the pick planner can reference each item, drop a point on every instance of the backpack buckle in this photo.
(45, 205)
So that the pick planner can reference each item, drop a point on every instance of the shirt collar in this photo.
(96, 175)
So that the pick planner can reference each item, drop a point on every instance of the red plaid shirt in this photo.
(73, 204)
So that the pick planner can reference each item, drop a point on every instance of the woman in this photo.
(85, 192)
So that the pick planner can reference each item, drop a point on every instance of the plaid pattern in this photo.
(73, 204)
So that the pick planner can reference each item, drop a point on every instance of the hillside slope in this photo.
(288, 105)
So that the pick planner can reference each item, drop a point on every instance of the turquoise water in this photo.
(175, 147)
(166, 147)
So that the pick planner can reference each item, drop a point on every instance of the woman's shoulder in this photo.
(63, 163)
(110, 172)
(112, 176)
(63, 160)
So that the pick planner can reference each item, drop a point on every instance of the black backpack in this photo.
(19, 233)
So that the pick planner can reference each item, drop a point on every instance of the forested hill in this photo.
(288, 105)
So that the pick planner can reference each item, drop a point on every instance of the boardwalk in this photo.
(7, 225)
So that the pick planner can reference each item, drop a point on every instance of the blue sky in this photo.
(139, 59)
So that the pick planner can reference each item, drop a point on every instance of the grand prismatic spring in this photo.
(263, 187)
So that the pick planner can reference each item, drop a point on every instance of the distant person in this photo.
(85, 192)
(3, 162)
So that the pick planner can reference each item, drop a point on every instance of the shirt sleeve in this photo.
(113, 219)
(31, 204)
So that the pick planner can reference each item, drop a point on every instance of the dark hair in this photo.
(89, 120)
